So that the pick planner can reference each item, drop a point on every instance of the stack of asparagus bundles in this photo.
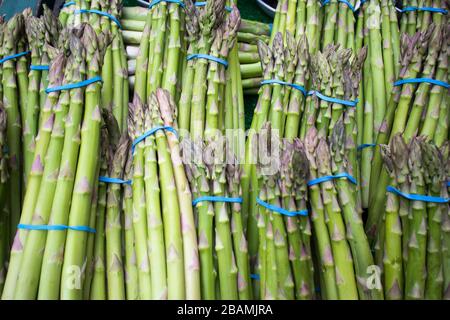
(282, 105)
(4, 232)
(416, 15)
(285, 260)
(204, 108)
(163, 222)
(418, 105)
(416, 220)
(104, 16)
(57, 205)
(13, 94)
(214, 174)
(378, 30)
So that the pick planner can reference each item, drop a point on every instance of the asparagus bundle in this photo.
(41, 33)
(4, 234)
(339, 24)
(377, 28)
(59, 190)
(168, 266)
(214, 173)
(14, 96)
(415, 232)
(417, 15)
(162, 48)
(285, 258)
(133, 21)
(115, 90)
(342, 246)
(203, 109)
(413, 108)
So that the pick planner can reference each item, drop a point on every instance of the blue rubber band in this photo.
(149, 133)
(203, 3)
(281, 210)
(216, 199)
(349, 5)
(417, 197)
(283, 83)
(422, 80)
(70, 86)
(366, 145)
(207, 57)
(329, 178)
(100, 13)
(155, 2)
(56, 227)
(429, 9)
(113, 180)
(255, 276)
(68, 4)
(39, 68)
(14, 56)
(321, 96)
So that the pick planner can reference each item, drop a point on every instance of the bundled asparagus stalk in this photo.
(168, 266)
(115, 91)
(415, 231)
(413, 109)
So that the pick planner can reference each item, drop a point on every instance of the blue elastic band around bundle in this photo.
(70, 86)
(216, 199)
(422, 80)
(281, 210)
(100, 13)
(68, 4)
(429, 9)
(113, 180)
(14, 56)
(39, 68)
(56, 227)
(207, 57)
(203, 3)
(417, 197)
(255, 276)
(349, 5)
(366, 145)
(152, 132)
(329, 178)
(321, 96)
(155, 2)
(283, 83)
